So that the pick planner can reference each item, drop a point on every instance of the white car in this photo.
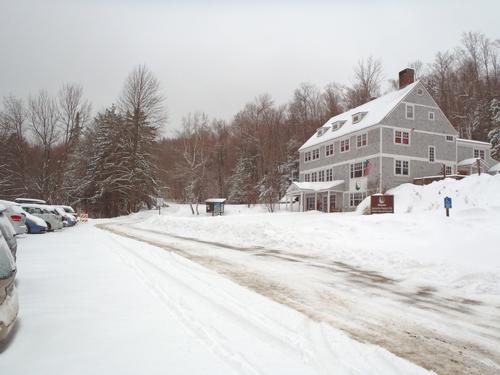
(16, 215)
(9, 305)
(68, 219)
(53, 219)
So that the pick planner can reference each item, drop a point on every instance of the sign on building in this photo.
(382, 204)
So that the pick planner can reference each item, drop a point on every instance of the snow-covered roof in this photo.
(469, 162)
(495, 168)
(9, 203)
(30, 200)
(215, 200)
(480, 143)
(371, 114)
(314, 186)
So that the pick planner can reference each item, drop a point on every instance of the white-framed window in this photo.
(314, 177)
(361, 140)
(315, 154)
(356, 198)
(420, 92)
(360, 169)
(431, 115)
(307, 156)
(432, 154)
(410, 111)
(329, 150)
(329, 174)
(448, 169)
(450, 138)
(401, 167)
(401, 137)
(357, 170)
(321, 176)
(344, 145)
(307, 177)
(478, 153)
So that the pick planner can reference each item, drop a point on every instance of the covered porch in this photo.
(471, 166)
(320, 196)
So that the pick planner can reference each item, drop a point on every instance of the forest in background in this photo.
(115, 162)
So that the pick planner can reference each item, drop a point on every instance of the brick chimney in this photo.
(406, 77)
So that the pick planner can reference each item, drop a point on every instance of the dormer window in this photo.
(357, 117)
(321, 131)
(337, 125)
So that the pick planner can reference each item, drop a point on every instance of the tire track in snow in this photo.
(217, 345)
(427, 347)
(260, 325)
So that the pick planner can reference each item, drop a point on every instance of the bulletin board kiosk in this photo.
(215, 206)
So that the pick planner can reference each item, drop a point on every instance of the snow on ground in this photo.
(416, 244)
(96, 303)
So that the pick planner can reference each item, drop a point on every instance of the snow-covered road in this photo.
(92, 302)
(443, 331)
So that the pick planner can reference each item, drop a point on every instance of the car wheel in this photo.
(28, 227)
(49, 228)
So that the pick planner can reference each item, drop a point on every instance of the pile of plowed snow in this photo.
(471, 192)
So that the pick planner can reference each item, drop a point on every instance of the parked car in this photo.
(68, 219)
(69, 210)
(8, 233)
(29, 201)
(51, 217)
(35, 224)
(9, 305)
(16, 215)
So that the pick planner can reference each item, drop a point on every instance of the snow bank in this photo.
(471, 192)
(418, 243)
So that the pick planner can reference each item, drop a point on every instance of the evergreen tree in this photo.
(494, 134)
(141, 107)
(241, 188)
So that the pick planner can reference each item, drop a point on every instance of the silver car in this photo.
(52, 217)
(7, 230)
(16, 215)
(9, 305)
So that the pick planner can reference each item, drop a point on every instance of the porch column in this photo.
(315, 201)
(328, 202)
(301, 202)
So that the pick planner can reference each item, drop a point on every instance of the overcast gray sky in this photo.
(215, 56)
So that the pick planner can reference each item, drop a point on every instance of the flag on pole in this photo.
(367, 168)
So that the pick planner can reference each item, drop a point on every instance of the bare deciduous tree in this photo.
(44, 121)
(74, 112)
(366, 85)
(192, 166)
